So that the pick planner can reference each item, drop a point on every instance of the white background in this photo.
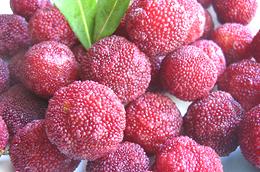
(235, 162)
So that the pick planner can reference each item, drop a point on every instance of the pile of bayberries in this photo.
(61, 103)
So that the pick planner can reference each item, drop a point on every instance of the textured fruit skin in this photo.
(118, 64)
(14, 34)
(4, 76)
(235, 11)
(214, 52)
(3, 135)
(154, 27)
(205, 3)
(129, 157)
(79, 52)
(151, 120)
(242, 81)
(30, 150)
(27, 8)
(47, 67)
(183, 154)
(18, 107)
(85, 120)
(255, 47)
(234, 40)
(213, 121)
(209, 25)
(49, 24)
(249, 136)
(188, 73)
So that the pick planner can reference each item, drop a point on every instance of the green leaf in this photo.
(108, 17)
(81, 16)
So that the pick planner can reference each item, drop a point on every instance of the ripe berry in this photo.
(205, 3)
(242, 81)
(4, 76)
(209, 25)
(120, 65)
(214, 52)
(49, 24)
(184, 154)
(188, 73)
(249, 136)
(18, 107)
(235, 11)
(14, 34)
(128, 157)
(47, 67)
(213, 121)
(159, 27)
(30, 150)
(234, 40)
(151, 120)
(3, 136)
(85, 120)
(255, 47)
(27, 8)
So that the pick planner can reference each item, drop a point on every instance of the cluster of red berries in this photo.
(60, 103)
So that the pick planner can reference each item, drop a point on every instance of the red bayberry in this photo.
(85, 120)
(3, 136)
(214, 52)
(14, 34)
(184, 154)
(128, 157)
(235, 11)
(31, 150)
(151, 120)
(255, 47)
(234, 39)
(27, 8)
(47, 67)
(120, 65)
(213, 121)
(49, 24)
(188, 73)
(19, 107)
(209, 25)
(242, 81)
(249, 136)
(4, 76)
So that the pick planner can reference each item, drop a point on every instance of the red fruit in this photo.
(49, 24)
(14, 34)
(188, 73)
(249, 136)
(242, 81)
(80, 52)
(85, 120)
(255, 47)
(183, 154)
(234, 39)
(31, 150)
(205, 3)
(159, 27)
(120, 65)
(151, 120)
(214, 52)
(47, 67)
(213, 121)
(128, 157)
(3, 136)
(19, 107)
(4, 76)
(27, 8)
(155, 71)
(235, 11)
(209, 25)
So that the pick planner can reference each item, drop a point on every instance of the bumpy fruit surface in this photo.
(255, 47)
(120, 65)
(183, 154)
(213, 121)
(3, 135)
(249, 136)
(30, 150)
(128, 157)
(188, 73)
(4, 76)
(48, 66)
(242, 81)
(151, 120)
(85, 120)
